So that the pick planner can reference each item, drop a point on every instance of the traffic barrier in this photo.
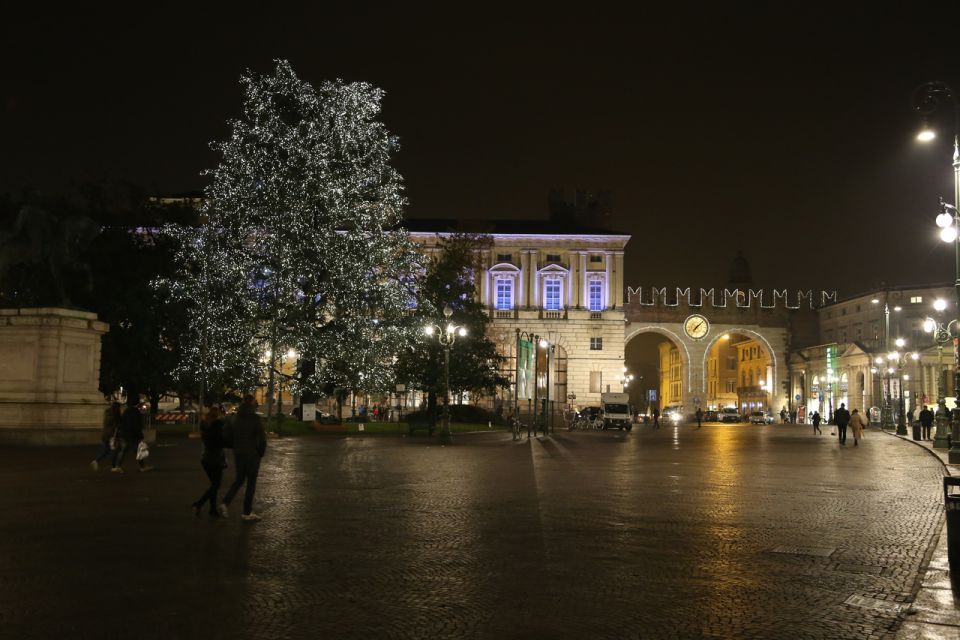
(173, 417)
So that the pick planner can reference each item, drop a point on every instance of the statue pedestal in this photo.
(49, 376)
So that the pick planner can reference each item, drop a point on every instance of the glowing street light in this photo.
(928, 98)
(446, 338)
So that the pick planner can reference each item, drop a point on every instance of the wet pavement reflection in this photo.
(733, 531)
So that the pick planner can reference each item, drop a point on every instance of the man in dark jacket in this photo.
(842, 417)
(111, 426)
(245, 434)
(926, 421)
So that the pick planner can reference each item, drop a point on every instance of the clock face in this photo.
(696, 326)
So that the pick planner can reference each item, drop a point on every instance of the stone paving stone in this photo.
(651, 534)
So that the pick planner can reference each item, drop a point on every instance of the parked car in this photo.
(730, 414)
(759, 417)
(710, 415)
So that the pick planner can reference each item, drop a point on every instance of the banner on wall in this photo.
(524, 369)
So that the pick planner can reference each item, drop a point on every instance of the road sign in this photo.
(797, 397)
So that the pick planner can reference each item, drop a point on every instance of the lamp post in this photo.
(941, 335)
(886, 413)
(928, 98)
(898, 359)
(447, 336)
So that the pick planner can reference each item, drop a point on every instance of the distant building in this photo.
(850, 365)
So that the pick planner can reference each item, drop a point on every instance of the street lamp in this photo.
(897, 360)
(446, 336)
(927, 99)
(886, 413)
(941, 335)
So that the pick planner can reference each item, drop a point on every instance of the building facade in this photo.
(560, 282)
(858, 362)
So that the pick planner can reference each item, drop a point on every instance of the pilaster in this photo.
(607, 261)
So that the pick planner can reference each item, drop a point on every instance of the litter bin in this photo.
(916, 430)
(951, 507)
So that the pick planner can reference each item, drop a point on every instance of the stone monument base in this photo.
(49, 374)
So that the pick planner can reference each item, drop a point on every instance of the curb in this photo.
(910, 627)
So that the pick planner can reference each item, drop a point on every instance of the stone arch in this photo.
(674, 336)
(747, 332)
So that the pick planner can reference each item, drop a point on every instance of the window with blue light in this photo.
(596, 295)
(552, 295)
(504, 293)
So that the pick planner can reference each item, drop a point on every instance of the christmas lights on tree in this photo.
(300, 246)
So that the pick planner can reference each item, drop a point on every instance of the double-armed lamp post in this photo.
(927, 99)
(941, 335)
(446, 335)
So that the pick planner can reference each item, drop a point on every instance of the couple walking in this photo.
(122, 432)
(855, 421)
(245, 435)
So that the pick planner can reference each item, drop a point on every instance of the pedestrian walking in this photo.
(656, 417)
(249, 443)
(926, 421)
(783, 415)
(131, 435)
(212, 459)
(108, 433)
(910, 416)
(793, 416)
(857, 425)
(841, 418)
(699, 417)
(815, 418)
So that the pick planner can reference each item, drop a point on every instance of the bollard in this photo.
(951, 507)
(916, 430)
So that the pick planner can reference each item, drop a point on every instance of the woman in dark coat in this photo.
(212, 460)
(131, 433)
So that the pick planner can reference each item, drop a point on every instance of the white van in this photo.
(616, 410)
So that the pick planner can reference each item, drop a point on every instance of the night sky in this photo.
(785, 131)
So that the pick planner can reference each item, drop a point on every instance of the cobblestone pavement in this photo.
(732, 531)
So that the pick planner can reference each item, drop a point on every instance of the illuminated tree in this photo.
(300, 247)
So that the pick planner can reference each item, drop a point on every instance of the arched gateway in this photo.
(696, 330)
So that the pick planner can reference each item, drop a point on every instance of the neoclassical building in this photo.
(851, 364)
(560, 281)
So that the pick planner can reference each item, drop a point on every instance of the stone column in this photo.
(523, 299)
(608, 259)
(573, 283)
(533, 292)
(49, 376)
(618, 278)
(582, 295)
(485, 297)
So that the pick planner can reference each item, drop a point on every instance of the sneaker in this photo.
(116, 470)
(223, 510)
(250, 517)
(94, 465)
